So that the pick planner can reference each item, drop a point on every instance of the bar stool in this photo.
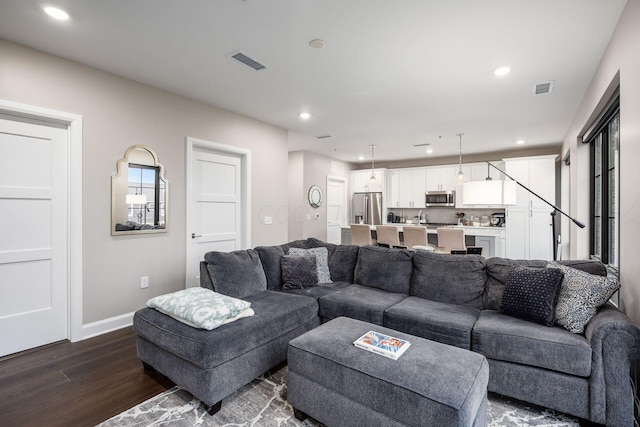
(415, 236)
(361, 235)
(451, 239)
(388, 235)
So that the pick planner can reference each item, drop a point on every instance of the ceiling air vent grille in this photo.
(324, 136)
(543, 88)
(248, 61)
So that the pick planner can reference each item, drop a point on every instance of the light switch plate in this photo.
(268, 220)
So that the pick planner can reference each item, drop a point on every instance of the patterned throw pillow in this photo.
(531, 294)
(322, 261)
(580, 296)
(200, 307)
(299, 271)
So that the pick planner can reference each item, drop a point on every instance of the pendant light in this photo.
(460, 173)
(372, 180)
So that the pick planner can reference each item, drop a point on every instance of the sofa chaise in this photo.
(451, 299)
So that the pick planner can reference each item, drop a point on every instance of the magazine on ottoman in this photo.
(385, 345)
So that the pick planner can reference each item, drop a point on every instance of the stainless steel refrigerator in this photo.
(366, 208)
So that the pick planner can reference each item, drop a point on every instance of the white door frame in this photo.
(245, 215)
(74, 203)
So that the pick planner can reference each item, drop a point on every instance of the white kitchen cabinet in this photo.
(393, 189)
(528, 222)
(406, 188)
(445, 178)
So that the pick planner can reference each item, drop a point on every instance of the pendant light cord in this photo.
(373, 175)
(460, 174)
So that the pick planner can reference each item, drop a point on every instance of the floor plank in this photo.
(75, 384)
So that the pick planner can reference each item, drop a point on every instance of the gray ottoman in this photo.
(338, 384)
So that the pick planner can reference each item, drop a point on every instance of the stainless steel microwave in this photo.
(440, 198)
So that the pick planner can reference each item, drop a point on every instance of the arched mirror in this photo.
(139, 193)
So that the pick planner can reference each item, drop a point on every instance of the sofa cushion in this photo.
(531, 294)
(342, 259)
(506, 338)
(270, 257)
(581, 294)
(322, 261)
(358, 302)
(498, 270)
(276, 314)
(437, 321)
(450, 279)
(384, 268)
(299, 271)
(237, 274)
(318, 291)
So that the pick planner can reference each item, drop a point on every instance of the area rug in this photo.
(263, 402)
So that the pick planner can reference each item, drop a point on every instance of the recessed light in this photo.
(502, 71)
(317, 43)
(305, 116)
(520, 141)
(360, 157)
(56, 13)
(429, 150)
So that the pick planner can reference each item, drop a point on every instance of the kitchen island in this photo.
(491, 239)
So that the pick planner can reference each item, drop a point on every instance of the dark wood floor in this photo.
(75, 384)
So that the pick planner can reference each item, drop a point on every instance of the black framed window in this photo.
(145, 180)
(605, 171)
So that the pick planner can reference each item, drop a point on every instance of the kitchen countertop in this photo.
(469, 230)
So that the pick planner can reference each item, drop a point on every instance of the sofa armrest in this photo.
(615, 342)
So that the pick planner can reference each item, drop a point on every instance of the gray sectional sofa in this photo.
(452, 299)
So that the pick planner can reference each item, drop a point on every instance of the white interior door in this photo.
(336, 208)
(33, 234)
(215, 207)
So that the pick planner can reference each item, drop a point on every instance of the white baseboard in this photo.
(107, 325)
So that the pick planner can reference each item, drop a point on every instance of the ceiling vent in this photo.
(543, 88)
(324, 136)
(248, 61)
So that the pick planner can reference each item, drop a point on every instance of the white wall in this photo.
(620, 61)
(307, 169)
(118, 113)
(296, 189)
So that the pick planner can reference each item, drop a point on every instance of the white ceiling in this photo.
(392, 73)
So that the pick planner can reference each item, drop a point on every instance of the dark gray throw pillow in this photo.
(321, 255)
(299, 271)
(532, 293)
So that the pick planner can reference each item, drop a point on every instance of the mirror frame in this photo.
(315, 196)
(122, 172)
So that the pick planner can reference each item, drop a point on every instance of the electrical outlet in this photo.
(144, 282)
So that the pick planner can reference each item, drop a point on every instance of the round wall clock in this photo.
(315, 196)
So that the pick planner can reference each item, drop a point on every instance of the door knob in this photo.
(194, 235)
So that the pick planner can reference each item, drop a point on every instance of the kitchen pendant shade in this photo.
(489, 192)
